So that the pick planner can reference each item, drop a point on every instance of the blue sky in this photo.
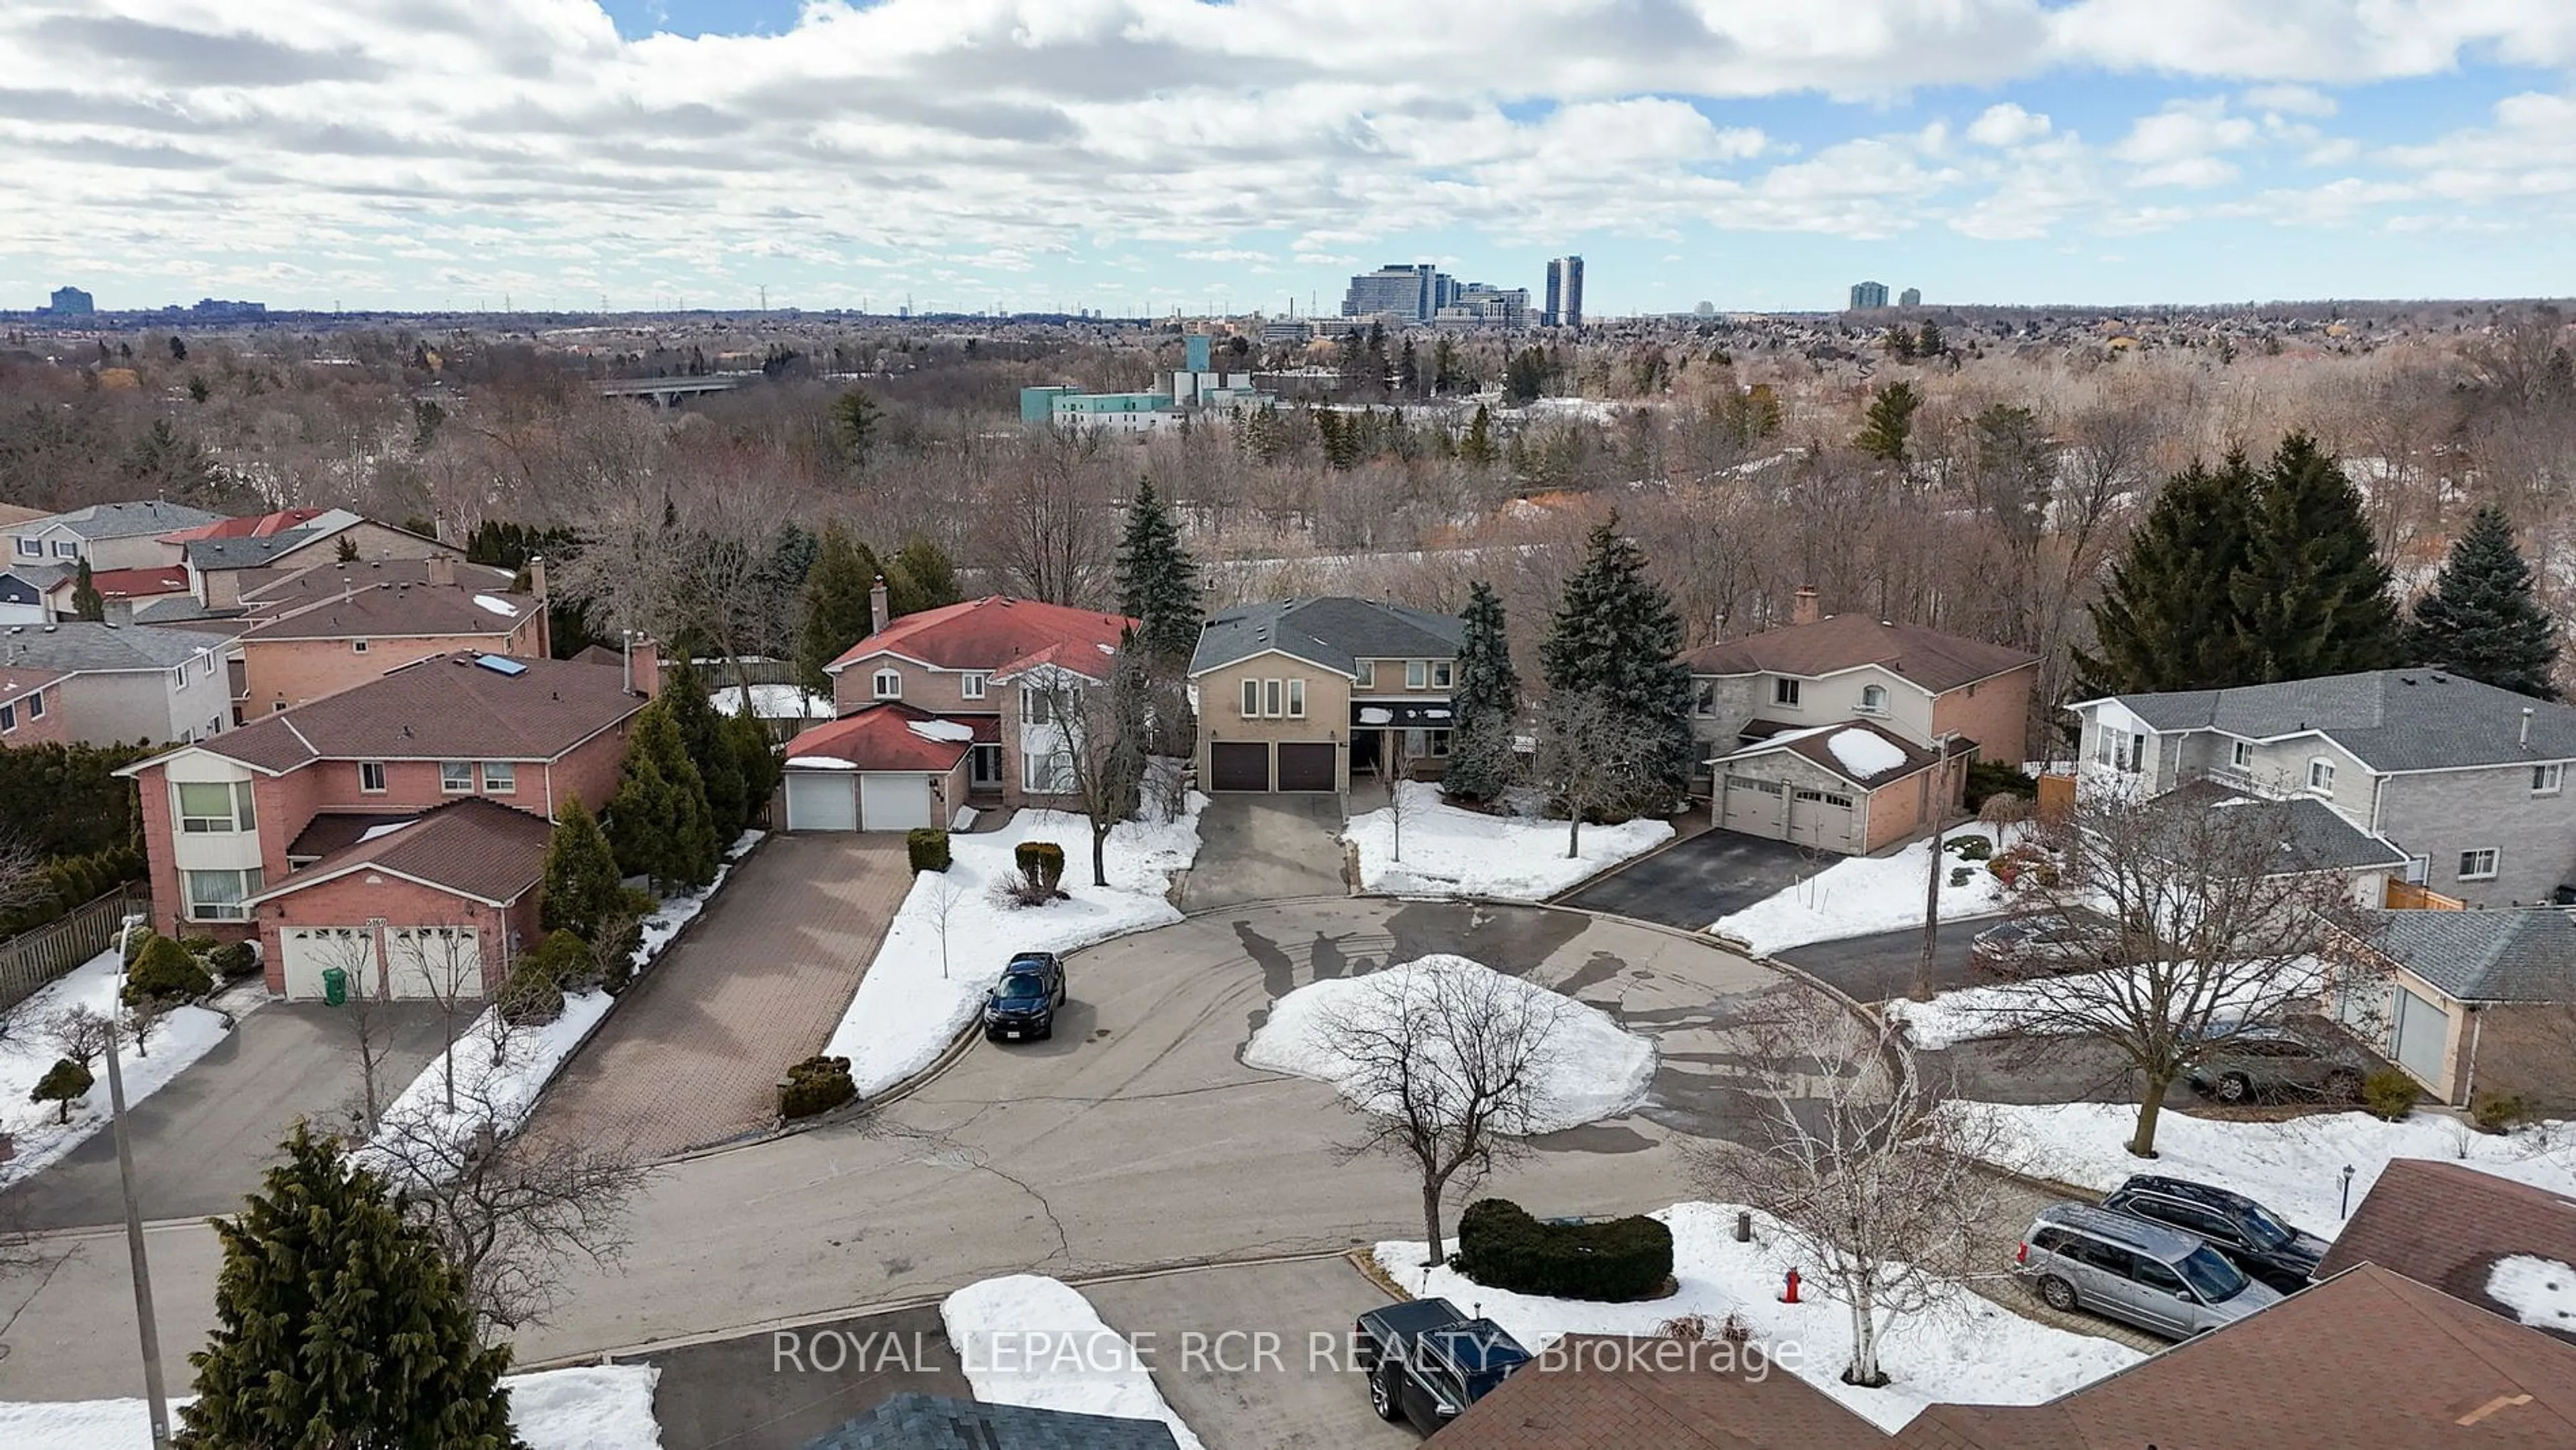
(1151, 154)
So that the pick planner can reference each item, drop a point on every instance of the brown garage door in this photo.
(1307, 765)
(1238, 765)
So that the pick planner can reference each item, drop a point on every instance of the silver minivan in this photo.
(2079, 1256)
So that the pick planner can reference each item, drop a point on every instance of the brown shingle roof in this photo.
(283, 586)
(1938, 662)
(445, 707)
(1574, 1398)
(471, 846)
(390, 610)
(1816, 745)
(2445, 1225)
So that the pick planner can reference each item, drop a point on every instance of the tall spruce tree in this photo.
(1158, 583)
(87, 602)
(2481, 619)
(658, 822)
(920, 576)
(580, 883)
(836, 605)
(336, 1324)
(1485, 703)
(2312, 596)
(1887, 430)
(1615, 636)
(710, 748)
(756, 756)
(2167, 621)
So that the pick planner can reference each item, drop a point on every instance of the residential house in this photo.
(31, 713)
(125, 683)
(915, 1421)
(2465, 1001)
(2449, 1226)
(127, 588)
(108, 535)
(1303, 694)
(309, 643)
(2469, 780)
(890, 767)
(26, 591)
(965, 664)
(355, 831)
(220, 565)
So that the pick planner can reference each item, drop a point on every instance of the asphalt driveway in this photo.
(782, 1389)
(1695, 882)
(1265, 848)
(1875, 968)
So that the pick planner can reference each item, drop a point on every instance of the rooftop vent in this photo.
(501, 664)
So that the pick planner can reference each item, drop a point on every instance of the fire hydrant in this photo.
(1791, 1297)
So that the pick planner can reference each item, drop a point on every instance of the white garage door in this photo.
(1753, 806)
(439, 963)
(822, 800)
(893, 802)
(308, 951)
(2423, 1032)
(1821, 818)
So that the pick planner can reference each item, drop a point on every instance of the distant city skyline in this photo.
(1138, 156)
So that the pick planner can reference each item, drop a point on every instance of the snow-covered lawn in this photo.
(2294, 1167)
(184, 1035)
(1989, 1011)
(1026, 1339)
(926, 985)
(608, 1407)
(1454, 852)
(1969, 1350)
(1589, 1067)
(772, 702)
(1860, 895)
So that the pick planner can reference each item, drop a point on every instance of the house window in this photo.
(888, 685)
(970, 686)
(1873, 699)
(1417, 674)
(2321, 776)
(1296, 699)
(2546, 779)
(357, 646)
(218, 895)
(1785, 692)
(1050, 773)
(455, 777)
(2478, 865)
(36, 706)
(1271, 691)
(1039, 707)
(31, 548)
(8, 718)
(500, 777)
(215, 808)
(1367, 676)
(1704, 702)
(1252, 699)
(1439, 742)
(1441, 673)
(371, 776)
(63, 549)
(2241, 755)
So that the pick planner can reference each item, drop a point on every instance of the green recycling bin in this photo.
(335, 986)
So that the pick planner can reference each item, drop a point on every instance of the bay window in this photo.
(218, 895)
(216, 808)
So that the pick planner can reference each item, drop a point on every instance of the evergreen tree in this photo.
(1478, 446)
(710, 748)
(1889, 427)
(2166, 621)
(658, 823)
(1485, 702)
(836, 605)
(336, 1324)
(581, 880)
(1408, 371)
(87, 602)
(1158, 583)
(918, 577)
(854, 425)
(1616, 636)
(1526, 376)
(755, 759)
(1930, 343)
(2480, 618)
(2312, 597)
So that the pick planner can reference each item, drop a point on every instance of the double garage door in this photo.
(849, 800)
(426, 963)
(1804, 815)
(1254, 765)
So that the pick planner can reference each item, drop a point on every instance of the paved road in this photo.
(782, 1389)
(693, 1053)
(1694, 882)
(1875, 968)
(204, 1139)
(1265, 848)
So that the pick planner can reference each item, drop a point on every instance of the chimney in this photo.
(643, 665)
(545, 619)
(1802, 606)
(877, 606)
(442, 569)
(2526, 727)
(120, 611)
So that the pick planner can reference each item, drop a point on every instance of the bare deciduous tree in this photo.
(366, 1019)
(22, 876)
(78, 1032)
(447, 958)
(1590, 757)
(1050, 523)
(1100, 727)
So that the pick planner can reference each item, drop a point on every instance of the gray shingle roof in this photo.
(251, 553)
(126, 520)
(2389, 719)
(82, 645)
(43, 576)
(914, 1421)
(1336, 633)
(2313, 836)
(2526, 955)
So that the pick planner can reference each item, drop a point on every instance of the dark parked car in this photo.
(2253, 1237)
(2047, 942)
(2297, 1059)
(1022, 1004)
(1426, 1362)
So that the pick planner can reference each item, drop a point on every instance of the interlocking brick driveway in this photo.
(693, 1053)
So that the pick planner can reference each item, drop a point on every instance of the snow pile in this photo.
(1860, 895)
(1973, 1012)
(819, 762)
(1453, 852)
(1967, 1350)
(184, 1035)
(495, 606)
(1589, 1067)
(916, 997)
(607, 1407)
(772, 702)
(2295, 1168)
(2540, 1292)
(1865, 752)
(946, 731)
(1030, 1340)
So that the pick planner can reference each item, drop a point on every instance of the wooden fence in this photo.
(2406, 896)
(37, 956)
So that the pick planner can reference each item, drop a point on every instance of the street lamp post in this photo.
(156, 1398)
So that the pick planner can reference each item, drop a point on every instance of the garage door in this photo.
(893, 802)
(2423, 1032)
(822, 800)
(1238, 765)
(1821, 818)
(1308, 765)
(307, 951)
(1754, 807)
(436, 963)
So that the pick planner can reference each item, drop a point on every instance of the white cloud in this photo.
(2289, 100)
(2006, 125)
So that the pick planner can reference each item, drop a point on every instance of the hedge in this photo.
(234, 960)
(1501, 1247)
(816, 1085)
(165, 972)
(928, 847)
(530, 998)
(1040, 861)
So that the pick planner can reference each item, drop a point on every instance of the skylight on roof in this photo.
(501, 664)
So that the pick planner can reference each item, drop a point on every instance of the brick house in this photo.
(1302, 694)
(890, 767)
(223, 564)
(123, 684)
(331, 628)
(30, 706)
(361, 799)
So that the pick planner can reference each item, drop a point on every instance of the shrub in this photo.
(2499, 1112)
(1501, 1247)
(234, 960)
(1040, 861)
(816, 1085)
(562, 958)
(63, 1083)
(165, 972)
(136, 940)
(1959, 875)
(613, 955)
(197, 946)
(635, 901)
(1972, 848)
(530, 998)
(1993, 778)
(928, 847)
(1018, 888)
(2389, 1094)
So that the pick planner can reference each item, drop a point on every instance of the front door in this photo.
(987, 769)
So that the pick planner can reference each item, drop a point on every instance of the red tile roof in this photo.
(997, 633)
(1936, 661)
(445, 707)
(258, 526)
(882, 737)
(472, 847)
